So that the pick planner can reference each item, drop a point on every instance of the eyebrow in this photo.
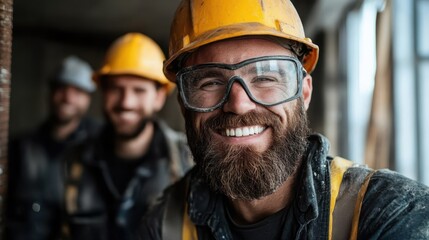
(217, 72)
(197, 75)
(266, 67)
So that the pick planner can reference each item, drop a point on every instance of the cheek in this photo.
(56, 97)
(193, 120)
(84, 102)
(285, 112)
(200, 119)
(197, 122)
(146, 104)
(109, 101)
(282, 111)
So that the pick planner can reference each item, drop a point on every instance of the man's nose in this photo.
(128, 100)
(69, 94)
(238, 101)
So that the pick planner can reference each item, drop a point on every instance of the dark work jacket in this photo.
(35, 189)
(96, 209)
(394, 207)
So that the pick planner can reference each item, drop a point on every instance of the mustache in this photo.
(122, 109)
(230, 120)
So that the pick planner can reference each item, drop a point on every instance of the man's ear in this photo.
(161, 97)
(307, 89)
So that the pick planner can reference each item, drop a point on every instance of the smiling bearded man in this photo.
(243, 71)
(115, 177)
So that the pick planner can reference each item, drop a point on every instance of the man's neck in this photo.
(247, 212)
(136, 147)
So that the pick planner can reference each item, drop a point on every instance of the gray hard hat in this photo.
(75, 72)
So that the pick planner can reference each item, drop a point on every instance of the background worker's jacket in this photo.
(393, 207)
(35, 190)
(96, 210)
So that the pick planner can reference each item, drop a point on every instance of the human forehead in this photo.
(233, 51)
(128, 81)
(67, 87)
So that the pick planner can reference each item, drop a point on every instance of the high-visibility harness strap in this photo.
(358, 207)
(176, 221)
(338, 167)
(189, 231)
(346, 198)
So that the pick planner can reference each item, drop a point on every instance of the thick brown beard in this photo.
(133, 134)
(140, 127)
(240, 172)
(63, 121)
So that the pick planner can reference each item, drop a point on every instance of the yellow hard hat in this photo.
(135, 54)
(200, 22)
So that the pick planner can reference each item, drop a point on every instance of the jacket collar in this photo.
(99, 148)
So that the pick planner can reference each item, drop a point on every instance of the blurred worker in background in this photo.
(36, 166)
(243, 72)
(114, 179)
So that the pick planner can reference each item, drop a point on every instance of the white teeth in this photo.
(251, 130)
(244, 131)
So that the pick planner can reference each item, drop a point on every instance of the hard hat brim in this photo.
(169, 86)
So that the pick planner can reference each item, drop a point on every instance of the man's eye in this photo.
(210, 84)
(113, 89)
(140, 90)
(265, 79)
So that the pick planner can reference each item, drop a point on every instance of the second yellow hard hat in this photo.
(135, 54)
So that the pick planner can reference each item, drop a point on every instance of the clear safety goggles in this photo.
(268, 81)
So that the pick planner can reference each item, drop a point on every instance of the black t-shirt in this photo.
(123, 170)
(274, 227)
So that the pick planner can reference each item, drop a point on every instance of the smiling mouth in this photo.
(244, 131)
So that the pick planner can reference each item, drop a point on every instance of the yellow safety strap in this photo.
(189, 231)
(338, 167)
(359, 200)
(71, 193)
